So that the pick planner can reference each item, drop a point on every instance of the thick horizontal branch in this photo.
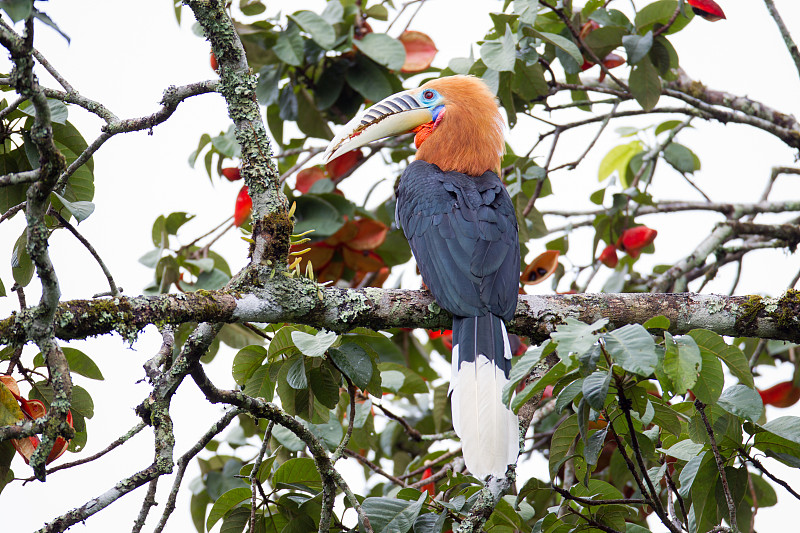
(278, 298)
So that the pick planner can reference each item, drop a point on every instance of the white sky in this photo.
(124, 54)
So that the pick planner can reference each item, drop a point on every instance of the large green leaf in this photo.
(787, 427)
(383, 49)
(500, 54)
(368, 80)
(314, 213)
(645, 84)
(711, 380)
(659, 13)
(391, 515)
(226, 502)
(247, 361)
(21, 264)
(732, 356)
(595, 388)
(354, 361)
(79, 362)
(289, 46)
(299, 471)
(632, 348)
(682, 362)
(576, 337)
(397, 378)
(561, 43)
(320, 30)
(741, 400)
(637, 46)
(314, 345)
(561, 441)
(617, 159)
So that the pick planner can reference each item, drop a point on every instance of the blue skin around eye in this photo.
(435, 112)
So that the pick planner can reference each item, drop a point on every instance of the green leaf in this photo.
(251, 7)
(632, 348)
(561, 43)
(354, 362)
(688, 474)
(314, 345)
(259, 384)
(17, 9)
(645, 84)
(682, 362)
(637, 46)
(383, 49)
(21, 264)
(235, 520)
(377, 12)
(732, 356)
(79, 362)
(333, 12)
(741, 400)
(400, 379)
(320, 30)
(617, 159)
(552, 375)
(226, 502)
(247, 361)
(657, 322)
(391, 515)
(711, 380)
(681, 158)
(299, 471)
(595, 388)
(81, 210)
(309, 119)
(685, 450)
(561, 442)
(312, 212)
(500, 54)
(58, 110)
(577, 337)
(289, 46)
(296, 373)
(660, 13)
(368, 80)
(787, 427)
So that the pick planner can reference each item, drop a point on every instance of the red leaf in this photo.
(341, 165)
(213, 61)
(634, 239)
(308, 177)
(708, 9)
(613, 60)
(362, 261)
(609, 256)
(371, 234)
(344, 234)
(420, 51)
(588, 28)
(430, 488)
(243, 207)
(783, 394)
(232, 173)
(540, 268)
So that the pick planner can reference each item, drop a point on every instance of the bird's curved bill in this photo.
(394, 115)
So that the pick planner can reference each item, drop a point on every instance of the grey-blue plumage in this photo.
(463, 233)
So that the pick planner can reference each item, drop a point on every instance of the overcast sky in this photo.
(124, 54)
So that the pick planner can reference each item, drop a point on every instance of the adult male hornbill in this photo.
(460, 223)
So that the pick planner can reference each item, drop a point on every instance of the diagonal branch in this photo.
(787, 38)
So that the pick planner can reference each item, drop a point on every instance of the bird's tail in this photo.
(489, 430)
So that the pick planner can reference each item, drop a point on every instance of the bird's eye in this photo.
(428, 95)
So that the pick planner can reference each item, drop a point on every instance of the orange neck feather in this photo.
(469, 138)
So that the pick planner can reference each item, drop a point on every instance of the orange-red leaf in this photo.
(308, 177)
(420, 51)
(371, 234)
(243, 207)
(213, 61)
(540, 268)
(33, 409)
(783, 394)
(613, 60)
(362, 261)
(428, 487)
(231, 173)
(342, 164)
(345, 234)
(11, 384)
(708, 9)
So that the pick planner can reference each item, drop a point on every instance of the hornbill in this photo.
(460, 223)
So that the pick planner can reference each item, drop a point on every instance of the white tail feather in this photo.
(488, 429)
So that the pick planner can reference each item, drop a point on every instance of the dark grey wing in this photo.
(463, 232)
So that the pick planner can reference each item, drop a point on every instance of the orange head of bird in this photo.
(456, 120)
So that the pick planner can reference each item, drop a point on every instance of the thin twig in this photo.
(375, 468)
(787, 38)
(351, 391)
(743, 453)
(114, 290)
(701, 408)
(413, 433)
(148, 503)
(255, 486)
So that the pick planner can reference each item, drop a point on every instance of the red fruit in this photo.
(232, 173)
(634, 239)
(708, 9)
(446, 335)
(243, 207)
(783, 394)
(420, 51)
(429, 487)
(609, 256)
(341, 165)
(213, 61)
